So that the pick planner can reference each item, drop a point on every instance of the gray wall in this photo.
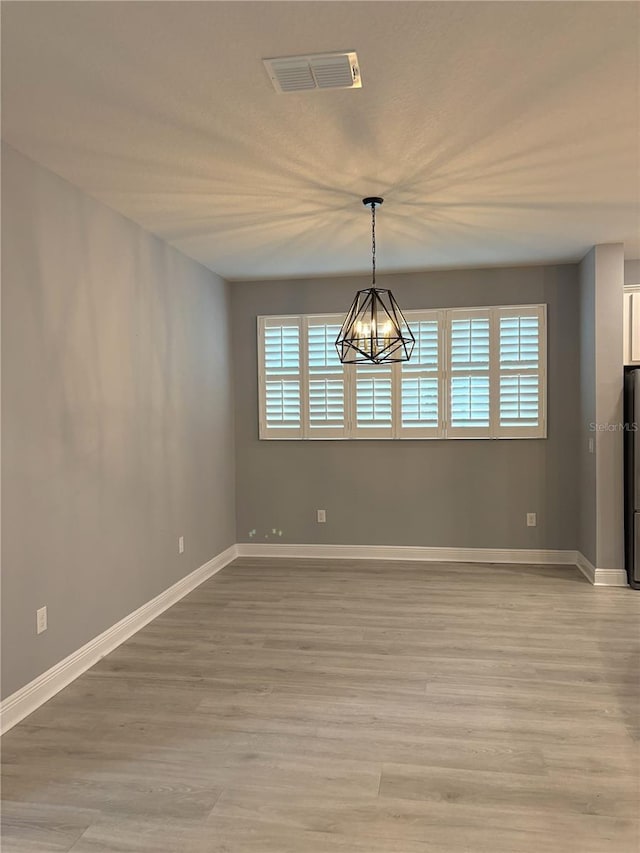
(472, 493)
(632, 272)
(601, 384)
(609, 405)
(117, 431)
(587, 491)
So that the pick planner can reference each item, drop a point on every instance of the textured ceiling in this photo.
(497, 132)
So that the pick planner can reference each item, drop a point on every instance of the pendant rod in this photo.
(372, 201)
(373, 244)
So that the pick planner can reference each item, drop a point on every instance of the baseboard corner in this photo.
(600, 577)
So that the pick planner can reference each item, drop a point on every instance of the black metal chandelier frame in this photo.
(375, 330)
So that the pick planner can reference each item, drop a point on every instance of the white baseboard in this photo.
(26, 700)
(407, 552)
(30, 697)
(529, 556)
(610, 577)
(600, 577)
(586, 567)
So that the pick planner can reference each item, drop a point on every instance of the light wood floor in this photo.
(368, 707)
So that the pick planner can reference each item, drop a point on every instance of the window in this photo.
(421, 390)
(469, 372)
(326, 412)
(282, 401)
(474, 373)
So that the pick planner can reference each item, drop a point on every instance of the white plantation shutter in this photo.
(373, 401)
(421, 378)
(280, 377)
(474, 373)
(326, 414)
(522, 371)
(469, 387)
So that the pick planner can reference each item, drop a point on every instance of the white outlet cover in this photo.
(181, 545)
(322, 516)
(41, 620)
(531, 519)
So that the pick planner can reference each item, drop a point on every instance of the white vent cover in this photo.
(320, 71)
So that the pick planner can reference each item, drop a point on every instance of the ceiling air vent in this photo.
(319, 71)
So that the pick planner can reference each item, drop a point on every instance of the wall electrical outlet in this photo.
(322, 516)
(181, 545)
(591, 445)
(41, 620)
(532, 521)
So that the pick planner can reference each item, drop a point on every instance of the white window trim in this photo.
(350, 430)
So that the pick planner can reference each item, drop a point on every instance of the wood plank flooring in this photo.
(291, 706)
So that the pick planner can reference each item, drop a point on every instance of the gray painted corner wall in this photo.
(117, 431)
(587, 483)
(609, 405)
(463, 493)
(602, 273)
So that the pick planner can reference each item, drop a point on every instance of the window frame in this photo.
(541, 430)
(265, 430)
(444, 316)
(461, 431)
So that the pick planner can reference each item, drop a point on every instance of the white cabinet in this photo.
(631, 337)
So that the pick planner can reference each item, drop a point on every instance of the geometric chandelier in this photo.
(374, 330)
